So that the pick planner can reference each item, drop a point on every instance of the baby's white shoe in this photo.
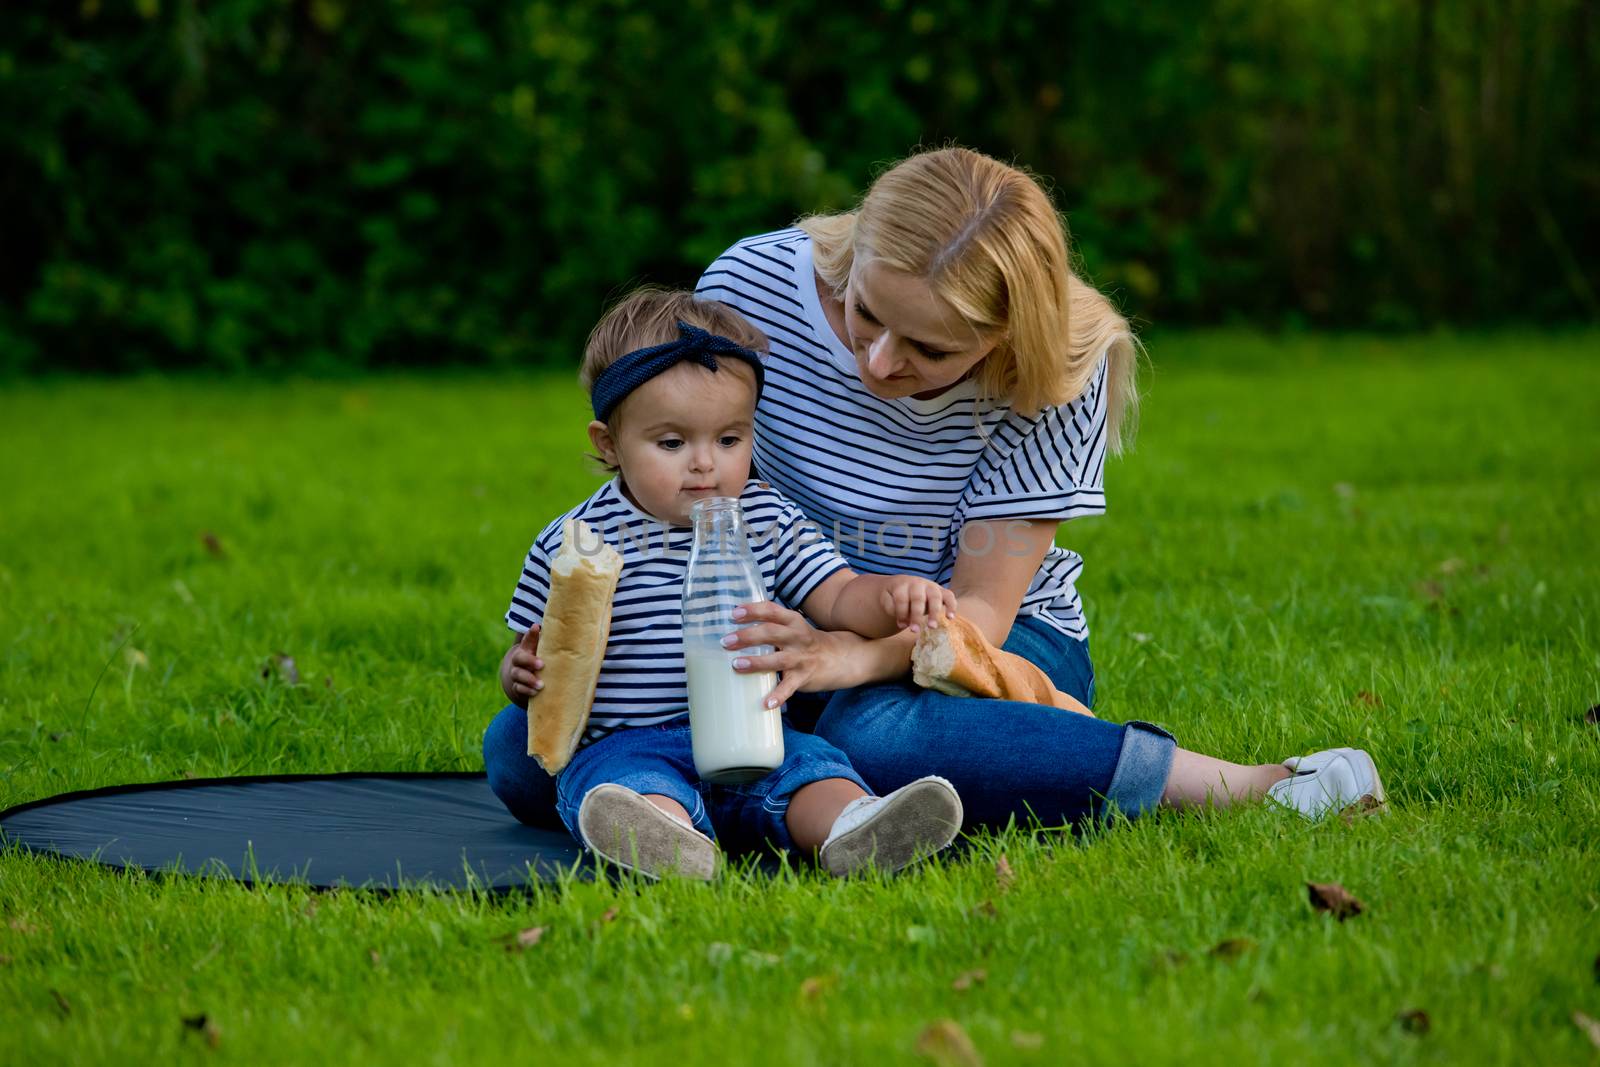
(623, 827)
(890, 832)
(1325, 783)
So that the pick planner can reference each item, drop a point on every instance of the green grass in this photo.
(1303, 522)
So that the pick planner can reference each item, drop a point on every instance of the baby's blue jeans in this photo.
(658, 759)
(1006, 759)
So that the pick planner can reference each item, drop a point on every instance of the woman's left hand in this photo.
(810, 660)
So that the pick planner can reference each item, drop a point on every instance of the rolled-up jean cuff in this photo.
(1142, 768)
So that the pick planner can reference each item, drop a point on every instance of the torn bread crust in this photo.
(572, 642)
(957, 659)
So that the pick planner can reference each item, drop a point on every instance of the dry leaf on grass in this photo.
(1451, 565)
(202, 1025)
(947, 1045)
(1588, 1026)
(967, 979)
(1414, 1021)
(608, 916)
(986, 909)
(22, 925)
(816, 985)
(213, 544)
(1334, 899)
(373, 957)
(523, 939)
(1003, 874)
(1027, 1039)
(1231, 948)
(1369, 700)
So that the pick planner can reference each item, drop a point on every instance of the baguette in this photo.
(572, 643)
(957, 659)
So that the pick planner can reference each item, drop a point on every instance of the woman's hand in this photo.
(810, 660)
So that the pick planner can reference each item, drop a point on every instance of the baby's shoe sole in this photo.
(624, 828)
(910, 824)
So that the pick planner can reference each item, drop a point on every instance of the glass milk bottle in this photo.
(735, 736)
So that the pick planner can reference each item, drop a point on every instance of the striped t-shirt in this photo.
(642, 679)
(894, 482)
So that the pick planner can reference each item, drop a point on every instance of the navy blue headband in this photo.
(639, 366)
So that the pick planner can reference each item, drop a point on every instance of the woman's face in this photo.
(906, 340)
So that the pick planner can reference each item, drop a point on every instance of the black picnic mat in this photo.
(386, 831)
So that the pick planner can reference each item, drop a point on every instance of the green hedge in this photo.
(328, 184)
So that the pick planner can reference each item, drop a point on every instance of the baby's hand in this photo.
(916, 602)
(522, 674)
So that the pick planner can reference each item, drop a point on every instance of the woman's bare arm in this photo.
(997, 561)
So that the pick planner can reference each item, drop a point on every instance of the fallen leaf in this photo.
(1430, 591)
(609, 915)
(23, 925)
(986, 909)
(1367, 805)
(1588, 1026)
(1414, 1021)
(524, 939)
(203, 1025)
(816, 985)
(1027, 1039)
(1370, 700)
(1231, 948)
(1334, 899)
(189, 774)
(310, 910)
(373, 957)
(967, 979)
(946, 1044)
(1451, 565)
(62, 1005)
(213, 544)
(1003, 874)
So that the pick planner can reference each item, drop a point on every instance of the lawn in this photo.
(1377, 542)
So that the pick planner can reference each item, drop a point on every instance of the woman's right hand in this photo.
(519, 671)
(812, 660)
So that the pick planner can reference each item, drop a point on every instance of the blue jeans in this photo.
(658, 759)
(1005, 758)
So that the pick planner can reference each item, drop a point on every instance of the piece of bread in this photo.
(572, 642)
(957, 659)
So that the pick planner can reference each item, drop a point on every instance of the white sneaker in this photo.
(890, 832)
(623, 827)
(1328, 782)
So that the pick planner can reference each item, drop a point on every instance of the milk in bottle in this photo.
(735, 736)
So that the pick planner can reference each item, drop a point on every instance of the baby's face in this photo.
(683, 436)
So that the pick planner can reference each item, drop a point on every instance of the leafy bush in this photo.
(320, 184)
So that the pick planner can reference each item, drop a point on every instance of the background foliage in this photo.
(316, 185)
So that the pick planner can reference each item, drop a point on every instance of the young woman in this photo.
(942, 390)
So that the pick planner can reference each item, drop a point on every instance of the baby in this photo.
(673, 380)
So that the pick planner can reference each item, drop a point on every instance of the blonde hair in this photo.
(987, 239)
(649, 316)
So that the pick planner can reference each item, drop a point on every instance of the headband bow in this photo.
(639, 366)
